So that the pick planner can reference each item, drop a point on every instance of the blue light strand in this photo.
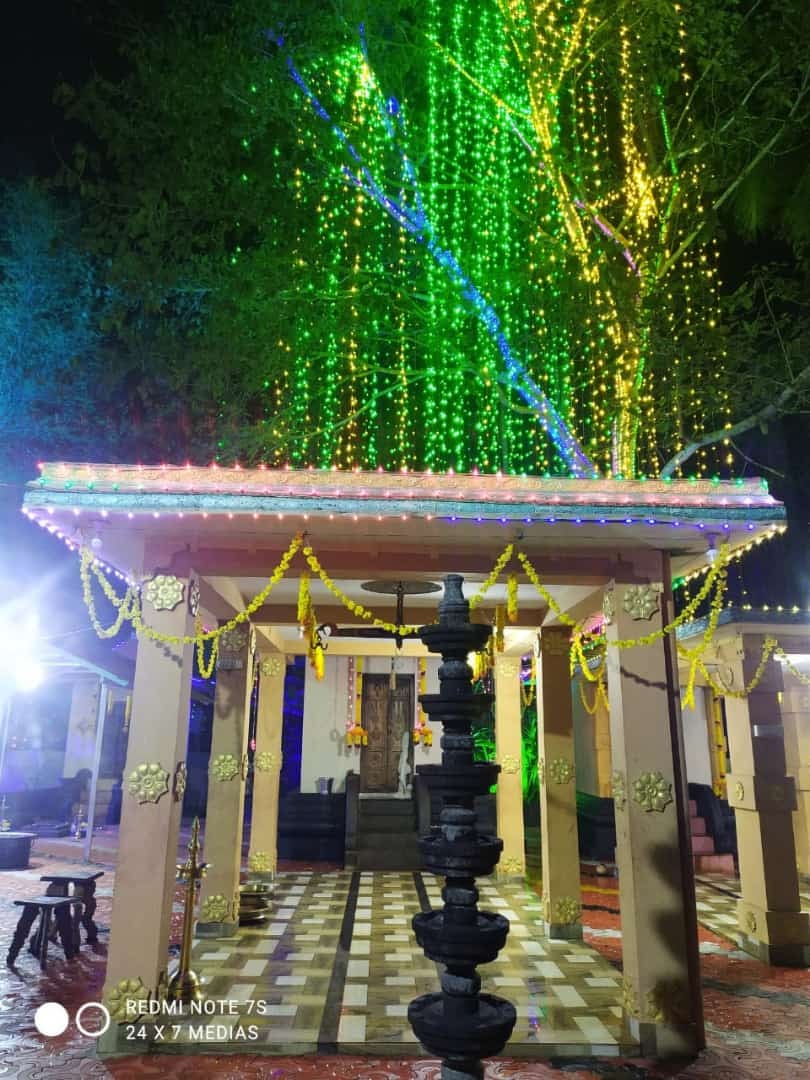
(416, 222)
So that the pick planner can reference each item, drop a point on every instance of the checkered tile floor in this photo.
(717, 898)
(336, 964)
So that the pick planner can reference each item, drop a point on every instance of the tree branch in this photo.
(761, 416)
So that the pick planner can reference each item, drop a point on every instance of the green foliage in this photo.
(202, 168)
(529, 759)
(50, 362)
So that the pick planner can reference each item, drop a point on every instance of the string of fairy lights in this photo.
(549, 187)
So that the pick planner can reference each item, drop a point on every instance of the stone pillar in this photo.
(659, 928)
(772, 924)
(154, 782)
(508, 754)
(227, 772)
(267, 767)
(796, 719)
(604, 756)
(562, 902)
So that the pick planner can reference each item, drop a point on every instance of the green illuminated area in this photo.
(544, 152)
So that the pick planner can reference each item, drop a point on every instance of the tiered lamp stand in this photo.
(460, 1025)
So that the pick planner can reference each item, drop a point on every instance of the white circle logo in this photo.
(105, 1012)
(51, 1019)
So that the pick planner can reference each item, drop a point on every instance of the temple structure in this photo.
(205, 542)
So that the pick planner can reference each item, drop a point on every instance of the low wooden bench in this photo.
(84, 889)
(67, 925)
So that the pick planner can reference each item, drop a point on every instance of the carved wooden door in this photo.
(387, 716)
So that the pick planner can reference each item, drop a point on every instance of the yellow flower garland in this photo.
(500, 620)
(794, 671)
(494, 574)
(695, 654)
(130, 606)
(688, 613)
(350, 605)
(128, 609)
(512, 598)
(769, 647)
(600, 694)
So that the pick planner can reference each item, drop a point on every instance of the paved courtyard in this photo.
(336, 966)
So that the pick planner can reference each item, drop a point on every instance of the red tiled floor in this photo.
(758, 1018)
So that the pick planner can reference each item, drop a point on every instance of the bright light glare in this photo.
(29, 675)
(19, 668)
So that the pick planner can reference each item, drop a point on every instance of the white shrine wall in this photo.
(696, 740)
(326, 707)
(587, 773)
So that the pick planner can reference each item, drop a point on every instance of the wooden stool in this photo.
(84, 889)
(44, 907)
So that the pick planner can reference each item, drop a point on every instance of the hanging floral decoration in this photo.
(308, 626)
(304, 600)
(352, 605)
(356, 734)
(512, 598)
(128, 610)
(422, 731)
(500, 622)
(499, 567)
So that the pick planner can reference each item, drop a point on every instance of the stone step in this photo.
(395, 809)
(692, 808)
(386, 823)
(702, 845)
(367, 840)
(713, 864)
(697, 826)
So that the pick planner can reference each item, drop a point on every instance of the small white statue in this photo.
(404, 763)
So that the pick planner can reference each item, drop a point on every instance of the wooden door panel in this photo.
(386, 716)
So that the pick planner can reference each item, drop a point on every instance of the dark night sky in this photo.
(44, 43)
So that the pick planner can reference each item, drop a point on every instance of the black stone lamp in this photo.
(460, 1025)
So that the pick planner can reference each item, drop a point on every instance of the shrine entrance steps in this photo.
(704, 856)
(386, 835)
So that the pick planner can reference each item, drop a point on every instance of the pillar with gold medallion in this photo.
(227, 773)
(263, 854)
(562, 903)
(508, 754)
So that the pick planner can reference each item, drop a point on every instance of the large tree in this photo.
(575, 161)
(50, 302)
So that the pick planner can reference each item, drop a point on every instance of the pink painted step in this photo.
(703, 845)
(714, 864)
(697, 826)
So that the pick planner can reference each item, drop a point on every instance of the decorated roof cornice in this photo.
(227, 490)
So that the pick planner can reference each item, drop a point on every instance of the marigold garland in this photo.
(128, 609)
(512, 598)
(695, 654)
(794, 671)
(769, 647)
(350, 605)
(600, 695)
(500, 621)
(304, 599)
(130, 606)
(494, 574)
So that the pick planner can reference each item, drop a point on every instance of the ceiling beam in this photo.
(416, 564)
(287, 615)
